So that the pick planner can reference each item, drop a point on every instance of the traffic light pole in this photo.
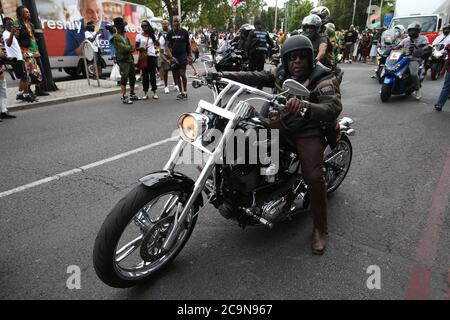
(49, 84)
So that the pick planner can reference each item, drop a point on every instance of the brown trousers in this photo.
(310, 151)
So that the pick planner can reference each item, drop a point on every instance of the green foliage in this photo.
(301, 9)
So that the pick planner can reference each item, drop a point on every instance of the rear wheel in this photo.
(435, 68)
(128, 248)
(385, 93)
(337, 163)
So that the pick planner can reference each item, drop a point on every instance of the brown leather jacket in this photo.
(325, 98)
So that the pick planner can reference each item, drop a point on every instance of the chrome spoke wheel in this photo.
(337, 164)
(139, 250)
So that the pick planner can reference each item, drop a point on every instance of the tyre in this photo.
(128, 248)
(379, 71)
(385, 93)
(435, 68)
(337, 163)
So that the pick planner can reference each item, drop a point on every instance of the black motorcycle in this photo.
(229, 58)
(246, 172)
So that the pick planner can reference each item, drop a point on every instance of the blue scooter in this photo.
(397, 78)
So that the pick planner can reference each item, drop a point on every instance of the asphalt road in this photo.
(392, 211)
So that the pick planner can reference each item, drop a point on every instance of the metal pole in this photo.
(369, 10)
(276, 14)
(179, 8)
(354, 9)
(381, 15)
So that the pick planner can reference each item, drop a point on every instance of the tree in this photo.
(302, 9)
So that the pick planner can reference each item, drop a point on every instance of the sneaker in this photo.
(155, 96)
(166, 90)
(418, 95)
(145, 97)
(185, 97)
(437, 108)
(30, 98)
(180, 96)
(6, 115)
(127, 100)
(20, 96)
(134, 97)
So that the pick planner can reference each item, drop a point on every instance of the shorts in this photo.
(19, 70)
(182, 63)
(127, 71)
(163, 64)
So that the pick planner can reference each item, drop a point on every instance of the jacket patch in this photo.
(327, 90)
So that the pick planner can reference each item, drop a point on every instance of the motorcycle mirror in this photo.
(295, 88)
(196, 84)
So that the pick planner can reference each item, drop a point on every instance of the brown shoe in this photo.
(319, 242)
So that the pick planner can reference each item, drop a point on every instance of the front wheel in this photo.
(337, 163)
(128, 248)
(385, 93)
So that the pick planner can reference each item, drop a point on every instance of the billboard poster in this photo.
(64, 21)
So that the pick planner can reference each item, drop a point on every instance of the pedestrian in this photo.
(256, 46)
(146, 44)
(164, 61)
(213, 42)
(124, 57)
(4, 114)
(94, 38)
(350, 38)
(446, 87)
(29, 48)
(13, 51)
(179, 50)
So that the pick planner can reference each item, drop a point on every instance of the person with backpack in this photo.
(256, 46)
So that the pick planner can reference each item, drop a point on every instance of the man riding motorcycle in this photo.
(312, 26)
(308, 131)
(416, 45)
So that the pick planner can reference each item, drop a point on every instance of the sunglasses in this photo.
(297, 54)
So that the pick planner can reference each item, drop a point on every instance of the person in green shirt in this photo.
(124, 57)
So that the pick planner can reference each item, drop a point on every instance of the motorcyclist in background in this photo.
(308, 134)
(312, 26)
(416, 46)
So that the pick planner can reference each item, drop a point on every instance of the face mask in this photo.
(413, 34)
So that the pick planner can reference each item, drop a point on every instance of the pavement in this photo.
(72, 90)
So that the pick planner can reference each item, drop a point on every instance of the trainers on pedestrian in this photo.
(180, 96)
(145, 96)
(437, 108)
(6, 115)
(155, 96)
(29, 98)
(20, 96)
(126, 100)
(134, 97)
(185, 97)
(166, 90)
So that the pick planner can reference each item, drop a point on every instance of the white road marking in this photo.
(84, 168)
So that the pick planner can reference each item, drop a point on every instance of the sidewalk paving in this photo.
(72, 90)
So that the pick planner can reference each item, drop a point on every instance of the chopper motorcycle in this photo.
(149, 227)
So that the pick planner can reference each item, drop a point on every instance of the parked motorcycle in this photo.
(397, 78)
(437, 60)
(149, 227)
(228, 58)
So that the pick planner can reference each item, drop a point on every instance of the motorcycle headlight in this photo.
(192, 126)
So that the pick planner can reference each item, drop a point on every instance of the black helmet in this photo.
(296, 43)
(313, 20)
(322, 12)
(414, 30)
